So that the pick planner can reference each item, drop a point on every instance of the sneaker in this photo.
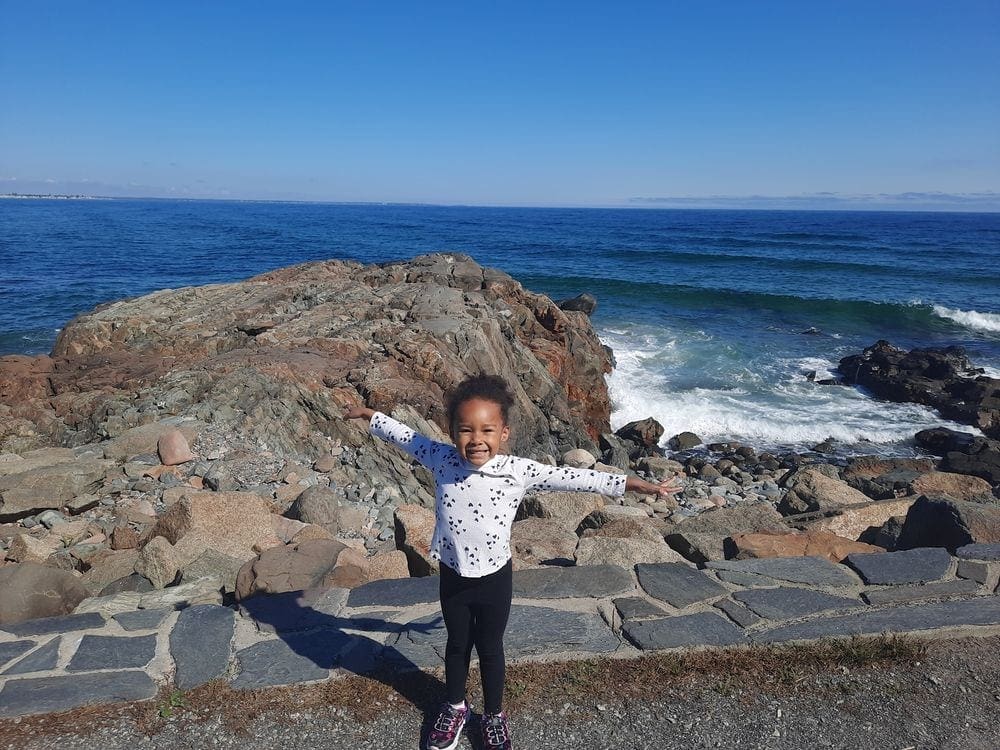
(496, 733)
(447, 729)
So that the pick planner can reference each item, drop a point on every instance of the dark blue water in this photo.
(707, 310)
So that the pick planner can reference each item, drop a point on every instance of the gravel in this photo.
(950, 701)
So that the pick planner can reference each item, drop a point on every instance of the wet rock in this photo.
(585, 303)
(684, 441)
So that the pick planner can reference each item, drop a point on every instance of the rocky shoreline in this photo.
(186, 447)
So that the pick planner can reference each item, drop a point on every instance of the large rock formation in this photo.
(279, 356)
(942, 378)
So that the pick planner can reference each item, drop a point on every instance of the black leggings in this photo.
(475, 613)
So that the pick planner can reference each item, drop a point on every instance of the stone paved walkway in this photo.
(559, 613)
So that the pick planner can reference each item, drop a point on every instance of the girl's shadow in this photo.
(297, 617)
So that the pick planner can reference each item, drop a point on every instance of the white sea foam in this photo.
(979, 321)
(767, 408)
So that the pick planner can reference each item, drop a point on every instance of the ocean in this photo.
(715, 317)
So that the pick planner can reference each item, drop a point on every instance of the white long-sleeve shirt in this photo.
(475, 506)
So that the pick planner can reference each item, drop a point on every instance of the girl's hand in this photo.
(358, 412)
(666, 488)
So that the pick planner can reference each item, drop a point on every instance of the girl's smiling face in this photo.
(478, 430)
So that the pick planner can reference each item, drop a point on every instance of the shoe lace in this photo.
(448, 719)
(495, 729)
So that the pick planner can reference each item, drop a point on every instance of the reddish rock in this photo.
(807, 544)
(541, 541)
(957, 486)
(173, 449)
(414, 525)
(124, 537)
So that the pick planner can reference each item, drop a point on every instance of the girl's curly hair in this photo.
(485, 387)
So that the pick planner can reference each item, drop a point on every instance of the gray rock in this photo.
(939, 590)
(289, 660)
(637, 608)
(812, 571)
(789, 602)
(64, 624)
(979, 552)
(943, 522)
(13, 649)
(909, 566)
(48, 694)
(41, 659)
(747, 580)
(737, 613)
(678, 584)
(141, 619)
(973, 570)
(112, 652)
(395, 592)
(684, 441)
(701, 629)
(295, 611)
(200, 644)
(32, 591)
(968, 612)
(592, 581)
(530, 631)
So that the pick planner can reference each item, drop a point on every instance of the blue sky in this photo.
(511, 103)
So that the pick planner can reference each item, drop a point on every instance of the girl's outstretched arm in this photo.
(666, 488)
(428, 452)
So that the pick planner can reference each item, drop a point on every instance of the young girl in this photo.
(478, 492)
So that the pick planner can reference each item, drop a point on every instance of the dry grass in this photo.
(759, 668)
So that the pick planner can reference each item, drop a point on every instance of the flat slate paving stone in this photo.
(13, 649)
(44, 695)
(41, 659)
(747, 580)
(738, 613)
(285, 661)
(984, 610)
(112, 652)
(909, 566)
(586, 581)
(395, 592)
(973, 570)
(678, 584)
(937, 590)
(295, 611)
(530, 631)
(200, 644)
(812, 571)
(789, 602)
(637, 608)
(701, 629)
(979, 552)
(142, 619)
(62, 624)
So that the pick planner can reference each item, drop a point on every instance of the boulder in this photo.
(158, 563)
(28, 492)
(579, 458)
(944, 522)
(684, 441)
(541, 541)
(821, 492)
(956, 486)
(290, 567)
(143, 439)
(388, 565)
(109, 567)
(414, 527)
(628, 527)
(852, 521)
(30, 591)
(623, 552)
(596, 519)
(585, 303)
(566, 508)
(644, 432)
(317, 505)
(806, 544)
(173, 448)
(232, 523)
(702, 537)
(28, 548)
(216, 566)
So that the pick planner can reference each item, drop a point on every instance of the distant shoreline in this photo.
(52, 197)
